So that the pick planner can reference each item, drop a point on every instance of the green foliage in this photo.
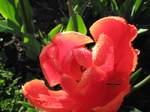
(131, 10)
(8, 9)
(9, 89)
(13, 22)
(78, 6)
(26, 15)
(30, 108)
(75, 21)
(141, 83)
(55, 30)
(45, 39)
(76, 24)
(28, 105)
(135, 75)
(32, 46)
(18, 20)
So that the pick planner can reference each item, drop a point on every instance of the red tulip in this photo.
(91, 81)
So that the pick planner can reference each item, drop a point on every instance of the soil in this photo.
(45, 13)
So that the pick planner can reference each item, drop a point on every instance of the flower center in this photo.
(82, 69)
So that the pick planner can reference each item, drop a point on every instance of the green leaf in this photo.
(82, 9)
(44, 38)
(33, 47)
(41, 34)
(9, 11)
(125, 108)
(55, 30)
(76, 23)
(136, 6)
(74, 3)
(142, 30)
(128, 5)
(81, 2)
(9, 26)
(141, 83)
(26, 15)
(26, 104)
(115, 5)
(4, 26)
(135, 75)
(32, 110)
(99, 8)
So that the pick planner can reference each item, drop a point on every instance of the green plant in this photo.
(75, 22)
(18, 20)
(10, 92)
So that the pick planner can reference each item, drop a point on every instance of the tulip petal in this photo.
(76, 62)
(46, 100)
(112, 105)
(115, 27)
(87, 90)
(103, 53)
(69, 40)
(68, 83)
(83, 57)
(81, 109)
(122, 34)
(124, 58)
(50, 66)
(53, 54)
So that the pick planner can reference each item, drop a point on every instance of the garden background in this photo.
(17, 67)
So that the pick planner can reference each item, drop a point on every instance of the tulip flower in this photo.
(91, 80)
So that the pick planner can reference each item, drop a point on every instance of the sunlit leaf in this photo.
(136, 6)
(55, 30)
(8, 10)
(76, 23)
(141, 30)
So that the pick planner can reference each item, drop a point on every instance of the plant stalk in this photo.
(70, 8)
(140, 84)
(25, 17)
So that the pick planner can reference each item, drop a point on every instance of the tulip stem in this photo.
(24, 15)
(70, 8)
(140, 84)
